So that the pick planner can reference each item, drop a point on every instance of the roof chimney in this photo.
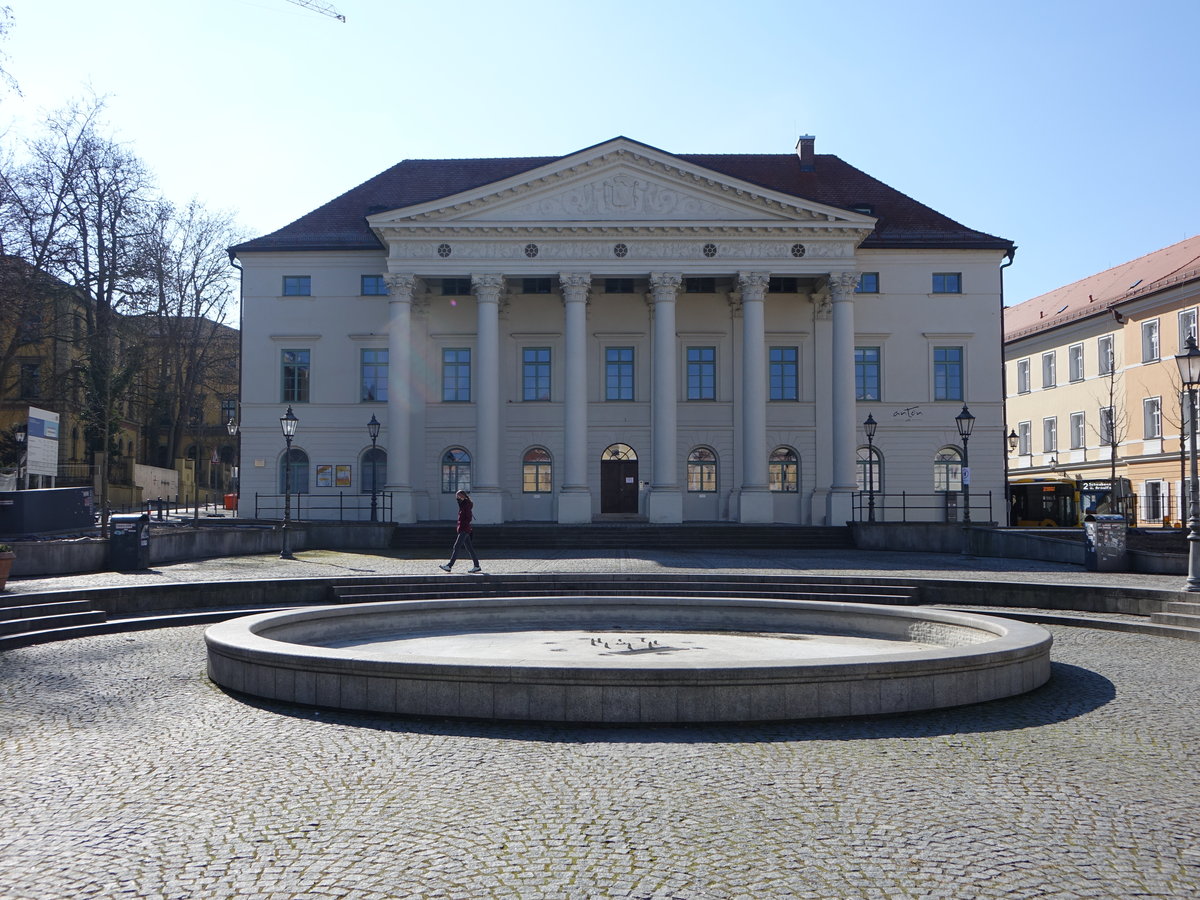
(804, 149)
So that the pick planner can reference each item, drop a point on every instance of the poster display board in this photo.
(41, 442)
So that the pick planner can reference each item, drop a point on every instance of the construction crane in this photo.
(323, 8)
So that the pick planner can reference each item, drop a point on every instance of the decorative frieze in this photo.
(603, 249)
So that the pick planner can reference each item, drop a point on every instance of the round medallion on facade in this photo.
(710, 250)
(531, 250)
(444, 250)
(798, 250)
(620, 251)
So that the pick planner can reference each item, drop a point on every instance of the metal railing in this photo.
(349, 506)
(939, 506)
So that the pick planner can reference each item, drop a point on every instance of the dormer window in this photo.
(867, 209)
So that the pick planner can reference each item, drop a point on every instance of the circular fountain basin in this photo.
(627, 659)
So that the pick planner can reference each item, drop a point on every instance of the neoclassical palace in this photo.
(623, 332)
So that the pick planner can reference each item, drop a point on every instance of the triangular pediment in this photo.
(620, 182)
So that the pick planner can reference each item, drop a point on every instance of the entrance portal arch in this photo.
(619, 480)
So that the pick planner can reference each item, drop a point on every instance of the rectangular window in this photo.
(456, 375)
(783, 374)
(1105, 361)
(373, 286)
(947, 282)
(700, 285)
(229, 410)
(456, 287)
(537, 285)
(1024, 438)
(1050, 434)
(1187, 328)
(783, 285)
(1107, 426)
(1023, 376)
(297, 285)
(866, 373)
(1075, 362)
(1152, 418)
(296, 364)
(1150, 341)
(535, 373)
(702, 373)
(1078, 431)
(868, 283)
(618, 373)
(947, 373)
(1049, 369)
(31, 380)
(373, 375)
(618, 285)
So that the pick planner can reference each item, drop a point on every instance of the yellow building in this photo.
(1091, 383)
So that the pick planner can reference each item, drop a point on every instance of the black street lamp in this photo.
(1013, 440)
(1189, 374)
(869, 427)
(965, 422)
(233, 428)
(196, 422)
(373, 431)
(289, 423)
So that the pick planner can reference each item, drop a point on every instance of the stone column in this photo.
(401, 287)
(485, 469)
(845, 412)
(574, 495)
(665, 501)
(754, 500)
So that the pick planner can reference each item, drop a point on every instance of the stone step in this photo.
(507, 584)
(34, 610)
(1187, 607)
(1178, 619)
(64, 632)
(627, 536)
(50, 623)
(466, 593)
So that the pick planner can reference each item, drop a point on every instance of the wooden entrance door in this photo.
(619, 480)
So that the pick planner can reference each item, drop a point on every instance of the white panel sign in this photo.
(41, 442)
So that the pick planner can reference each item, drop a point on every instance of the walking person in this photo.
(463, 540)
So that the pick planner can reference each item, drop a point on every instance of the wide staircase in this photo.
(25, 620)
(626, 535)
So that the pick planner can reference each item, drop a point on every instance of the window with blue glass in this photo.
(294, 376)
(783, 374)
(868, 283)
(373, 286)
(947, 282)
(947, 373)
(702, 373)
(297, 285)
(456, 375)
(618, 373)
(866, 373)
(535, 373)
(373, 371)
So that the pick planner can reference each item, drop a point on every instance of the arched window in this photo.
(456, 470)
(373, 466)
(537, 471)
(783, 470)
(702, 470)
(947, 470)
(299, 469)
(870, 469)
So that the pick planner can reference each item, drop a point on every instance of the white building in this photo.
(622, 331)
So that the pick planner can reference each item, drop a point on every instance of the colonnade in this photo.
(665, 499)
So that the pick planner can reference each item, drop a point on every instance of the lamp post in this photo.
(965, 422)
(869, 427)
(1189, 374)
(373, 431)
(196, 468)
(233, 428)
(289, 423)
(1014, 440)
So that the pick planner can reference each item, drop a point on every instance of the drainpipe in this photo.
(1010, 256)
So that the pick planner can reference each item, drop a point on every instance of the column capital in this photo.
(575, 286)
(842, 285)
(664, 286)
(487, 288)
(753, 285)
(401, 286)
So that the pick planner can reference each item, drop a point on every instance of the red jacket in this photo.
(465, 515)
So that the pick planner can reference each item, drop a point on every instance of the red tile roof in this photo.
(1097, 294)
(903, 222)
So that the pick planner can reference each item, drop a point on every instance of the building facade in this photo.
(1093, 388)
(622, 332)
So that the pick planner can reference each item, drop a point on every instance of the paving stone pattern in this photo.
(125, 773)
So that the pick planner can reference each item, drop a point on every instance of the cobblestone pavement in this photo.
(125, 773)
(330, 563)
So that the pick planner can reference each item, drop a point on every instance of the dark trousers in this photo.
(464, 544)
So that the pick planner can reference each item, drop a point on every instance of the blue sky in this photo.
(1064, 126)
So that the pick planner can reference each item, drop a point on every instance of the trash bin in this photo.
(231, 501)
(129, 542)
(1104, 543)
